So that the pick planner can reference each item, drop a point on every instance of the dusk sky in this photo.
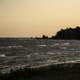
(26, 18)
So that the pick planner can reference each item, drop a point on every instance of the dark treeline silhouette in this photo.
(68, 33)
(54, 72)
(42, 37)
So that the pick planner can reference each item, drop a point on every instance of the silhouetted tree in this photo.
(44, 37)
(68, 33)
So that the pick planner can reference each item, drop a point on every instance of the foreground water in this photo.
(20, 53)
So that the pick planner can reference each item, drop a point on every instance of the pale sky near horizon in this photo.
(21, 18)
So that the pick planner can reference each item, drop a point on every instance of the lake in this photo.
(18, 53)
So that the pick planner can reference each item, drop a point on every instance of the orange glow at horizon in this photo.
(26, 18)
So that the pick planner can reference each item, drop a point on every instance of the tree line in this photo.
(68, 33)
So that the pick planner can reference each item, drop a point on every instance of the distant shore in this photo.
(63, 34)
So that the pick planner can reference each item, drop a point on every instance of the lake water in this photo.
(16, 53)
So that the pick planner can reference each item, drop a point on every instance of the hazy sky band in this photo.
(36, 17)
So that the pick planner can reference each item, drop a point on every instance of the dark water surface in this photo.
(16, 53)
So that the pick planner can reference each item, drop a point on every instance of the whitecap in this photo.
(36, 53)
(28, 56)
(42, 45)
(2, 55)
(50, 53)
(63, 48)
(65, 44)
(56, 44)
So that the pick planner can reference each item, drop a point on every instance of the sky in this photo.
(27, 18)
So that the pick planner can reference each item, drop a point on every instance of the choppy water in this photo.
(37, 53)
